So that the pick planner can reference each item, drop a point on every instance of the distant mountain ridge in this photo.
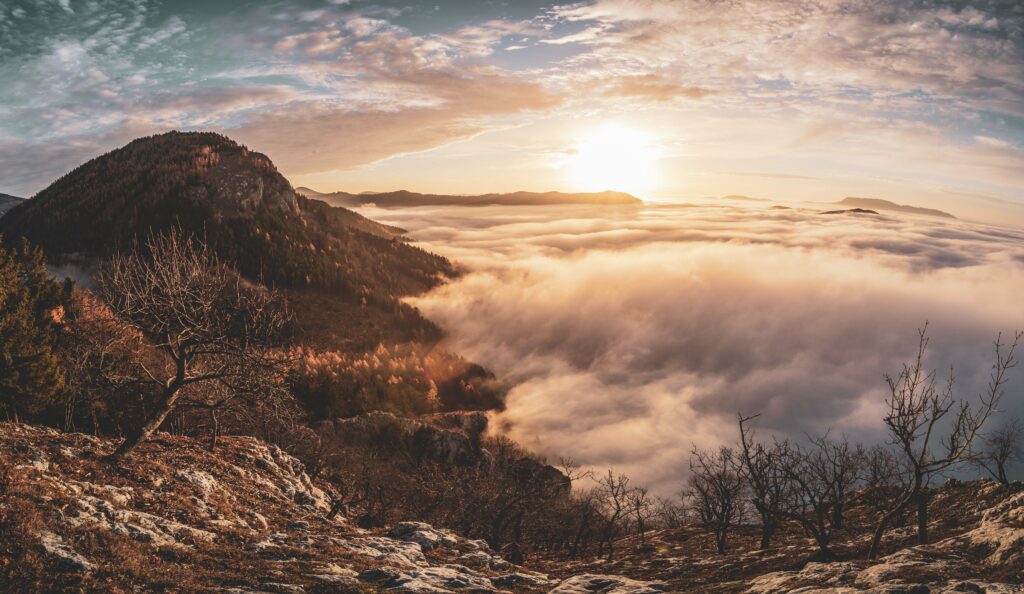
(7, 202)
(405, 198)
(880, 204)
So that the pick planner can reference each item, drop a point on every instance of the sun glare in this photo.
(614, 157)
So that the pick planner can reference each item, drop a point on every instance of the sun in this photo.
(614, 157)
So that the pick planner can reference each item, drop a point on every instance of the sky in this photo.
(917, 101)
(631, 335)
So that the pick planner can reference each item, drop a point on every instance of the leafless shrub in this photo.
(820, 475)
(761, 468)
(1000, 448)
(883, 476)
(613, 495)
(715, 492)
(641, 508)
(669, 513)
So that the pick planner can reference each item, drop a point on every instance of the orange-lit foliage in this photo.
(402, 379)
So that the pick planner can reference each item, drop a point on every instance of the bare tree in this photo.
(817, 476)
(918, 409)
(768, 484)
(1001, 448)
(715, 491)
(209, 325)
(614, 494)
(641, 507)
(883, 476)
(669, 513)
(843, 465)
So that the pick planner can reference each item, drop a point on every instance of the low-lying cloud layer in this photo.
(632, 334)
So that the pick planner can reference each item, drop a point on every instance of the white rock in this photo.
(54, 546)
(391, 552)
(523, 578)
(139, 525)
(606, 584)
(426, 535)
(443, 578)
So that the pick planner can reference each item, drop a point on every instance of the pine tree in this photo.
(31, 377)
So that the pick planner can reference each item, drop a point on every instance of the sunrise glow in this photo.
(614, 157)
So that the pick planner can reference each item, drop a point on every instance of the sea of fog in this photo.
(632, 334)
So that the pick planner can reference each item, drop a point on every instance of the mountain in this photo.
(7, 202)
(235, 198)
(404, 198)
(879, 204)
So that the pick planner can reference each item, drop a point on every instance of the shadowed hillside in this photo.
(7, 202)
(212, 187)
(345, 274)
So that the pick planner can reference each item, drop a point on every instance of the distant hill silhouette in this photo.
(7, 202)
(879, 204)
(404, 198)
(745, 198)
(851, 211)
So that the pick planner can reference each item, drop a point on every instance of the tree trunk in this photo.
(720, 536)
(922, 517)
(767, 531)
(336, 508)
(214, 429)
(164, 407)
(837, 515)
(823, 551)
(876, 539)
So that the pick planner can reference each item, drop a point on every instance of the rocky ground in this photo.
(248, 519)
(175, 517)
(977, 535)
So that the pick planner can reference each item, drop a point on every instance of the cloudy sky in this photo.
(918, 101)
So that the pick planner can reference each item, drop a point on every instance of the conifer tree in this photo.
(31, 377)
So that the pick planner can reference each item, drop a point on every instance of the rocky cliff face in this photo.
(246, 518)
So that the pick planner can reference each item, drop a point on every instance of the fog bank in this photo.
(632, 334)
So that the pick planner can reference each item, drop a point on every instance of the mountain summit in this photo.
(213, 187)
